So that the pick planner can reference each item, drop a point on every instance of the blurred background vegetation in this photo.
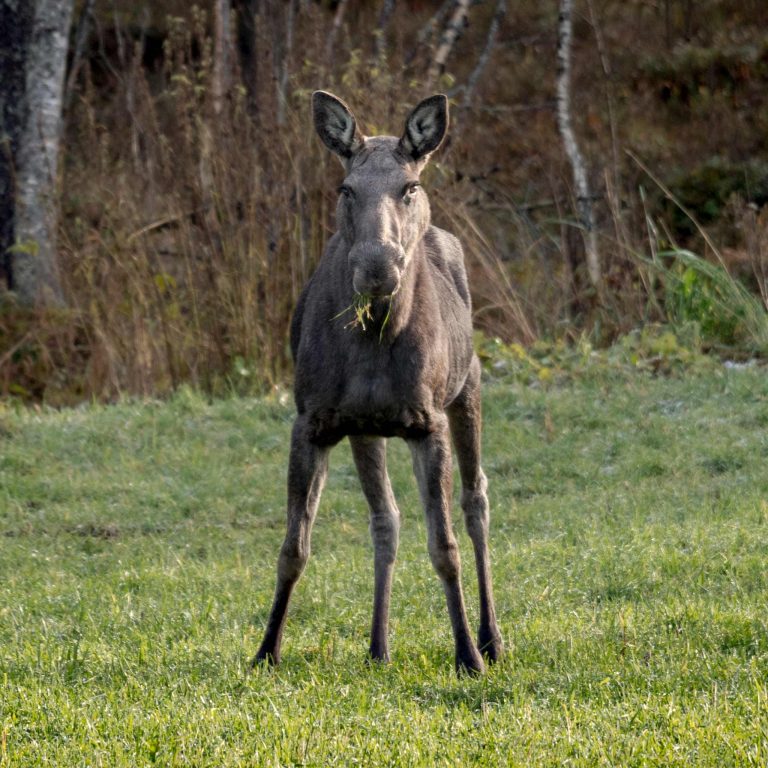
(194, 198)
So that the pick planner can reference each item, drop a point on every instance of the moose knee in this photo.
(385, 530)
(445, 559)
(475, 506)
(293, 558)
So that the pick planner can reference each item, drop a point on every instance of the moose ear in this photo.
(425, 127)
(336, 125)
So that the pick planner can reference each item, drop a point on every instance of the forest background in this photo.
(193, 199)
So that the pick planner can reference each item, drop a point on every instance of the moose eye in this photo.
(410, 191)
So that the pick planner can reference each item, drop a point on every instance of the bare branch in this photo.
(338, 20)
(283, 53)
(606, 65)
(81, 37)
(485, 55)
(380, 34)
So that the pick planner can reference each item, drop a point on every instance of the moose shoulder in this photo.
(382, 341)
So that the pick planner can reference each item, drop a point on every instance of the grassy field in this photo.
(629, 540)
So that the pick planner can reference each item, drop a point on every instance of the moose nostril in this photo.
(375, 278)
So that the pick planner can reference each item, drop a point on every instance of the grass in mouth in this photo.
(362, 314)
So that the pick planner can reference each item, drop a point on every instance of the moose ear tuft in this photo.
(425, 128)
(336, 125)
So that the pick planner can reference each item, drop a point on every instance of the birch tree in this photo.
(565, 126)
(450, 34)
(33, 57)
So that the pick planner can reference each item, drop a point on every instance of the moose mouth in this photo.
(366, 309)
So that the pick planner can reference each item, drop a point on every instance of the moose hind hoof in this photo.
(491, 646)
(376, 661)
(377, 655)
(264, 659)
(470, 663)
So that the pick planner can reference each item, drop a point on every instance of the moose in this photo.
(404, 366)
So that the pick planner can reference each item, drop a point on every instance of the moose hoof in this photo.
(265, 659)
(491, 646)
(378, 656)
(376, 661)
(470, 663)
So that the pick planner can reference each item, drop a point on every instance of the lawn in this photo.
(629, 543)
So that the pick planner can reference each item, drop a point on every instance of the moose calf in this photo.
(406, 368)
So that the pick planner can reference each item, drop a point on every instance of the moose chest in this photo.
(375, 391)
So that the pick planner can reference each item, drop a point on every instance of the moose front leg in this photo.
(307, 469)
(432, 466)
(370, 454)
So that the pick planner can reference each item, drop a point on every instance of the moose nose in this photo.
(376, 268)
(383, 285)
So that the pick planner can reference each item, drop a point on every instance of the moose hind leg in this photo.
(307, 470)
(465, 419)
(432, 466)
(370, 455)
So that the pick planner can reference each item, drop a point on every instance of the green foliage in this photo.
(706, 190)
(694, 71)
(629, 520)
(656, 349)
(25, 248)
(728, 316)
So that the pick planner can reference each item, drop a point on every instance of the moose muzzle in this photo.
(377, 267)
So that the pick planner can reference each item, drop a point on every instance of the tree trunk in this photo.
(282, 61)
(338, 19)
(380, 34)
(247, 12)
(16, 19)
(583, 196)
(222, 53)
(485, 55)
(450, 35)
(33, 40)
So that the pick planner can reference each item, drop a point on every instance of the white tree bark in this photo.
(427, 32)
(35, 276)
(580, 181)
(450, 35)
